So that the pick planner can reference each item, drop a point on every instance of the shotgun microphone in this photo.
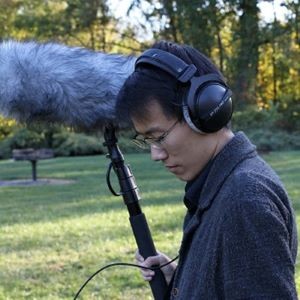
(59, 84)
(54, 83)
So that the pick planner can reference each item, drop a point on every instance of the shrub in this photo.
(7, 127)
(71, 144)
(274, 140)
(62, 141)
(266, 129)
(252, 118)
(23, 138)
(290, 117)
(126, 144)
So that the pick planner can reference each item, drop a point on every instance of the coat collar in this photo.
(193, 188)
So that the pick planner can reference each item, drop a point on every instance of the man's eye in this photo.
(150, 137)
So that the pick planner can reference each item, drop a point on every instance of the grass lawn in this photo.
(53, 237)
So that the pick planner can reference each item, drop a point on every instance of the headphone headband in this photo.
(169, 63)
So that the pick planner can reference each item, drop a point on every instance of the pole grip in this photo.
(146, 248)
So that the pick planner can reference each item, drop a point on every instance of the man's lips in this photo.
(171, 168)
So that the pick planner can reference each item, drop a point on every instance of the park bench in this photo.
(32, 155)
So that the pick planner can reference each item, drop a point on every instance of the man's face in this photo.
(184, 152)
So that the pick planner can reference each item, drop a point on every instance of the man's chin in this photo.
(182, 177)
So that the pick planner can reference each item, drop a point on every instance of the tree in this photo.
(279, 72)
(197, 23)
(86, 23)
(244, 62)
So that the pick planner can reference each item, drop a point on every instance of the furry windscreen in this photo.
(56, 83)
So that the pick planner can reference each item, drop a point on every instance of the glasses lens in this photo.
(139, 143)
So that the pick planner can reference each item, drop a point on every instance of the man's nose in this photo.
(158, 153)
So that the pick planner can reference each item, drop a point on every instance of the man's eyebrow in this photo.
(150, 131)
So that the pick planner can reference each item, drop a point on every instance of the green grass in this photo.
(53, 237)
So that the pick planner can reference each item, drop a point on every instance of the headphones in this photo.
(207, 105)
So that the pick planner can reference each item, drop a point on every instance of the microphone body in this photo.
(51, 82)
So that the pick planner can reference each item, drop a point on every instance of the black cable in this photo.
(121, 264)
(109, 183)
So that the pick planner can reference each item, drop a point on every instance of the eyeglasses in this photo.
(144, 143)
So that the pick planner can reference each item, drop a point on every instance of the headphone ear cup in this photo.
(210, 107)
(219, 119)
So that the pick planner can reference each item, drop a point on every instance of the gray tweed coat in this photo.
(241, 242)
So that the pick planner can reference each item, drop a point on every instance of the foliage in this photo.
(88, 23)
(260, 59)
(23, 138)
(253, 117)
(61, 140)
(290, 116)
(244, 61)
(52, 238)
(125, 142)
(259, 124)
(7, 127)
(71, 144)
(279, 66)
(268, 128)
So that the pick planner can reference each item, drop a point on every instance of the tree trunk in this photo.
(246, 62)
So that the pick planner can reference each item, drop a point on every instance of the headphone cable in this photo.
(121, 264)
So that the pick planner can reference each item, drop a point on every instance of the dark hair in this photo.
(148, 83)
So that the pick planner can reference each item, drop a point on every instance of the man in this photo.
(239, 234)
